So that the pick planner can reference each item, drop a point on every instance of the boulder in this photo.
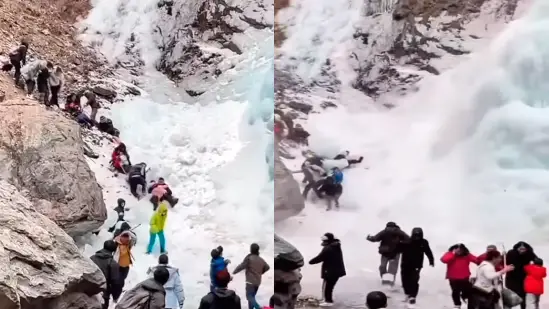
(41, 153)
(104, 91)
(40, 265)
(288, 199)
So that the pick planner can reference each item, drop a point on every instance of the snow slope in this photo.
(214, 153)
(465, 158)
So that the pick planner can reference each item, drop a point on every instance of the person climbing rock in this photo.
(221, 296)
(158, 222)
(412, 256)
(109, 267)
(120, 159)
(376, 300)
(217, 264)
(83, 120)
(123, 255)
(137, 176)
(458, 258)
(42, 84)
(105, 125)
(161, 191)
(149, 294)
(18, 58)
(521, 255)
(254, 266)
(332, 268)
(331, 188)
(30, 71)
(389, 239)
(175, 296)
(91, 101)
(56, 81)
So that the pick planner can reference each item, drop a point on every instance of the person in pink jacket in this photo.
(458, 258)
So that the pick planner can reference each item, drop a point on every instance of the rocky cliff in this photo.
(198, 38)
(41, 154)
(41, 267)
(288, 200)
(396, 43)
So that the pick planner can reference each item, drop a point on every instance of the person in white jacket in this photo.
(55, 80)
(484, 294)
(175, 296)
(30, 71)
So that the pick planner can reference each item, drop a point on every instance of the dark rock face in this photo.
(185, 29)
(418, 39)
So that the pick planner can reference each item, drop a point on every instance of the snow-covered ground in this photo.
(212, 154)
(465, 158)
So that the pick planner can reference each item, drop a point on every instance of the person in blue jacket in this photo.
(175, 296)
(217, 264)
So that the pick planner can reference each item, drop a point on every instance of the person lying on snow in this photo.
(120, 159)
(217, 264)
(161, 191)
(149, 294)
(175, 295)
(332, 188)
(137, 176)
(341, 161)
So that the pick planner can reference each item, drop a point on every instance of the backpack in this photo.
(136, 298)
(337, 176)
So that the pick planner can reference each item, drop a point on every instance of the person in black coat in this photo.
(521, 255)
(389, 240)
(109, 267)
(333, 267)
(412, 256)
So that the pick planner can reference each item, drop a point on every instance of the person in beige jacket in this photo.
(255, 266)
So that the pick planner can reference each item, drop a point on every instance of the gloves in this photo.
(369, 237)
(432, 264)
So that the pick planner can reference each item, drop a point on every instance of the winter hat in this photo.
(215, 254)
(538, 261)
(254, 248)
(222, 278)
(110, 245)
(161, 275)
(391, 224)
(491, 247)
(376, 300)
(163, 259)
(328, 237)
(121, 202)
(220, 250)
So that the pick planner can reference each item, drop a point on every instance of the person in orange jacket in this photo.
(533, 283)
(123, 255)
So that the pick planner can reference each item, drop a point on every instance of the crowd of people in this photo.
(164, 288)
(509, 279)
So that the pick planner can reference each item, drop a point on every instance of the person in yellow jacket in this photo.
(158, 221)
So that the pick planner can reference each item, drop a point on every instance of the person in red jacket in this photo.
(533, 284)
(481, 258)
(458, 258)
(120, 159)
